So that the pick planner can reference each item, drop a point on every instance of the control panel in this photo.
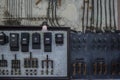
(95, 55)
(34, 53)
(57, 53)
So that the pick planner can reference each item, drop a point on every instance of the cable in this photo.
(92, 13)
(83, 27)
(6, 5)
(25, 4)
(12, 9)
(15, 9)
(56, 14)
(87, 14)
(114, 15)
(48, 13)
(100, 14)
(21, 8)
(18, 8)
(52, 6)
(7, 8)
(97, 18)
(110, 20)
(31, 8)
(105, 4)
(29, 11)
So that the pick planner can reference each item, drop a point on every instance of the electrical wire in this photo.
(52, 6)
(92, 13)
(110, 18)
(13, 14)
(48, 13)
(100, 14)
(12, 8)
(29, 12)
(87, 17)
(18, 9)
(7, 7)
(105, 4)
(16, 6)
(56, 18)
(27, 8)
(114, 15)
(21, 8)
(31, 8)
(83, 27)
(25, 4)
(97, 18)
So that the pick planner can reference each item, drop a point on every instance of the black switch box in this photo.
(48, 42)
(36, 41)
(25, 42)
(59, 38)
(3, 38)
(14, 41)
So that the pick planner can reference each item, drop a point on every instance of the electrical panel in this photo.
(33, 52)
(88, 48)
(58, 53)
(95, 55)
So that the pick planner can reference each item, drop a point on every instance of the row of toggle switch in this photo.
(29, 62)
(36, 41)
